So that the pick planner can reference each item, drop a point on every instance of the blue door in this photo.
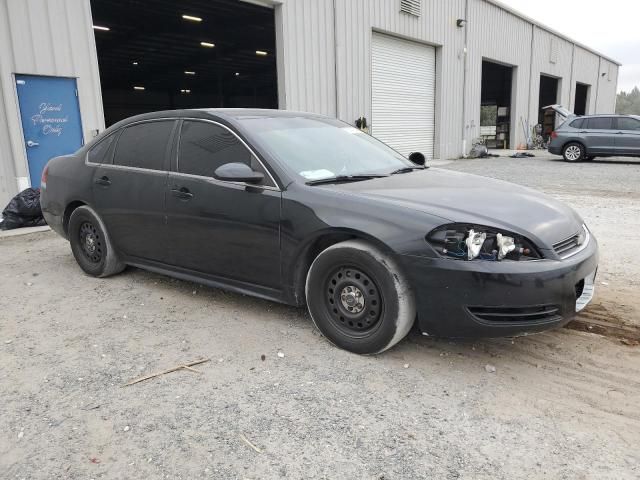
(50, 119)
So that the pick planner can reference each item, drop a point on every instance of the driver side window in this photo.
(205, 146)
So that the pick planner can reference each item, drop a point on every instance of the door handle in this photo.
(619, 133)
(584, 131)
(182, 193)
(104, 181)
(31, 143)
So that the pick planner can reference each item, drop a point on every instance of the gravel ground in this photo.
(562, 404)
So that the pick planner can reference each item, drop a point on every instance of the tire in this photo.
(359, 298)
(573, 152)
(91, 245)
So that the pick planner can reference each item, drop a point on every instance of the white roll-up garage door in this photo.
(403, 89)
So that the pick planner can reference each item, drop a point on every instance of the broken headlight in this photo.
(469, 242)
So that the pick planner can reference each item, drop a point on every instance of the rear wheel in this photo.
(91, 245)
(359, 298)
(573, 152)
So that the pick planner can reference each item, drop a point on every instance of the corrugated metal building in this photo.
(417, 70)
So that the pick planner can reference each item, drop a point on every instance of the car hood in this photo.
(466, 198)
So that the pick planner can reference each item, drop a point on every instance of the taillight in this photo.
(45, 174)
(554, 134)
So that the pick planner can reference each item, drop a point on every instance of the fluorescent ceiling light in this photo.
(138, 88)
(98, 27)
(207, 44)
(192, 18)
(237, 74)
(188, 72)
(185, 90)
(134, 63)
(262, 53)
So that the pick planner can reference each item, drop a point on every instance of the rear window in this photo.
(577, 123)
(600, 123)
(98, 153)
(144, 145)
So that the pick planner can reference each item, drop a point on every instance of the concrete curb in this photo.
(23, 231)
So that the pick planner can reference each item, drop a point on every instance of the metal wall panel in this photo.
(607, 87)
(349, 60)
(341, 76)
(306, 56)
(585, 70)
(43, 37)
(497, 35)
(543, 45)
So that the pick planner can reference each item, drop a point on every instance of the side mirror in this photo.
(237, 172)
(418, 158)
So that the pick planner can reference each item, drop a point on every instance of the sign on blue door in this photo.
(50, 119)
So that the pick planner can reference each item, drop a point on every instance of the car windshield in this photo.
(318, 148)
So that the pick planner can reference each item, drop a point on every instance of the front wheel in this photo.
(573, 152)
(91, 245)
(359, 298)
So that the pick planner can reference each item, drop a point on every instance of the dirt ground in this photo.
(559, 405)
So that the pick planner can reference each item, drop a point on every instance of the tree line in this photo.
(628, 103)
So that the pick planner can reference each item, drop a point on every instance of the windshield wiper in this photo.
(346, 178)
(406, 170)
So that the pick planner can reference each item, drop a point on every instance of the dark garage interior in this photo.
(548, 96)
(495, 101)
(582, 94)
(162, 54)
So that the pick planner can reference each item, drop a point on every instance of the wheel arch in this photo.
(579, 142)
(71, 206)
(301, 262)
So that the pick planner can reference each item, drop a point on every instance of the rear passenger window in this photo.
(144, 145)
(628, 124)
(98, 153)
(600, 123)
(577, 123)
(205, 146)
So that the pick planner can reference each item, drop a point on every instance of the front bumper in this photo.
(456, 298)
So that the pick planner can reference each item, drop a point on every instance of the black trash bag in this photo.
(23, 211)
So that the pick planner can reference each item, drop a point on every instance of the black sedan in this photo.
(303, 209)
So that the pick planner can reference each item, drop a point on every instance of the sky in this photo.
(612, 27)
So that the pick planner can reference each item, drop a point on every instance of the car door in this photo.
(598, 135)
(627, 138)
(129, 190)
(225, 229)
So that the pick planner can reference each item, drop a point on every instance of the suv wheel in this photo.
(573, 152)
(359, 298)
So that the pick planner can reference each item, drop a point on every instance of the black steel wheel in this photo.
(91, 245)
(91, 242)
(359, 298)
(353, 300)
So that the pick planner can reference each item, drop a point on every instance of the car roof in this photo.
(224, 113)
